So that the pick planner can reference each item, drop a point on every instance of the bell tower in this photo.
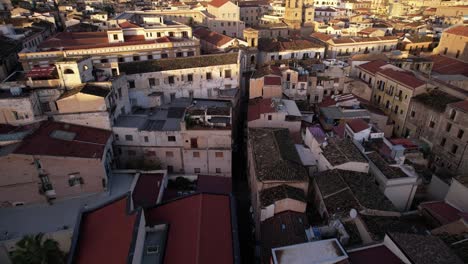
(293, 13)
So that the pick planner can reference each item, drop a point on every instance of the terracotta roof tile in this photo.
(446, 65)
(127, 24)
(218, 3)
(211, 36)
(105, 234)
(357, 125)
(443, 212)
(259, 106)
(147, 188)
(321, 36)
(462, 105)
(88, 142)
(200, 229)
(402, 77)
(458, 30)
(372, 66)
(272, 80)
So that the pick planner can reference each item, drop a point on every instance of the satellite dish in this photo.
(353, 213)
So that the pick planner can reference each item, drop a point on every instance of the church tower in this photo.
(293, 13)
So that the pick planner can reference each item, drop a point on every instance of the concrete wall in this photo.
(93, 119)
(458, 196)
(81, 103)
(277, 120)
(256, 87)
(24, 187)
(27, 108)
(437, 189)
(200, 86)
(140, 240)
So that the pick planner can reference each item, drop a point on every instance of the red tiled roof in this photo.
(372, 66)
(405, 142)
(88, 142)
(458, 30)
(127, 24)
(327, 101)
(147, 188)
(105, 234)
(357, 125)
(211, 36)
(368, 30)
(339, 129)
(218, 3)
(259, 106)
(272, 80)
(462, 105)
(446, 65)
(371, 255)
(403, 77)
(200, 229)
(321, 36)
(214, 184)
(443, 212)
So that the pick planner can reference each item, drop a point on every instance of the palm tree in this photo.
(34, 249)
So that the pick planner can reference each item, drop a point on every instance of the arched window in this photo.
(69, 71)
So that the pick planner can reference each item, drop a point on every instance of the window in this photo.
(170, 79)
(152, 81)
(136, 58)
(460, 133)
(196, 154)
(208, 75)
(116, 136)
(69, 71)
(45, 107)
(413, 113)
(131, 153)
(454, 149)
(219, 154)
(151, 153)
(74, 179)
(171, 138)
(179, 54)
(170, 169)
(116, 37)
(146, 138)
(190, 54)
(218, 170)
(227, 73)
(164, 55)
(191, 94)
(270, 117)
(150, 57)
(121, 59)
(193, 143)
(453, 114)
(169, 154)
(448, 127)
(196, 170)
(131, 84)
(442, 142)
(128, 137)
(172, 95)
(190, 77)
